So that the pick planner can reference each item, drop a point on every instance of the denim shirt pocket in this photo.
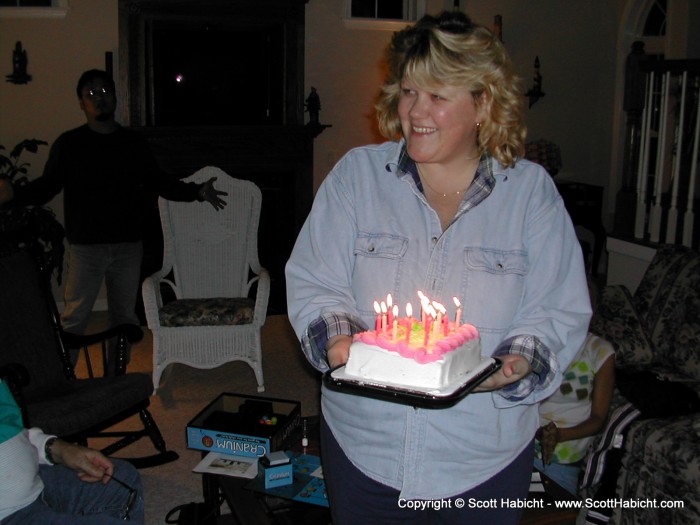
(378, 260)
(494, 283)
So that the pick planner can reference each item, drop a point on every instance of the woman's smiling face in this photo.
(439, 123)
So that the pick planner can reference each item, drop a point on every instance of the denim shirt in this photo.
(511, 255)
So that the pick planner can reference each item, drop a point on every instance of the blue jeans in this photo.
(562, 474)
(119, 265)
(355, 498)
(68, 501)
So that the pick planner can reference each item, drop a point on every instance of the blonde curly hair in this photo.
(451, 50)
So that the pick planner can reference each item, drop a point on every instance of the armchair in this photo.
(208, 303)
(656, 335)
(35, 363)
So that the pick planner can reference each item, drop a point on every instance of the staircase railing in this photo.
(662, 167)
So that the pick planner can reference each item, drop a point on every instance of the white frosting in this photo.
(375, 364)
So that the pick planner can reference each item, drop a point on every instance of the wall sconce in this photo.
(19, 66)
(535, 93)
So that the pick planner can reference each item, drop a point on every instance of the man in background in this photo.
(108, 176)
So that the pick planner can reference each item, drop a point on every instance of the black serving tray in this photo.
(337, 380)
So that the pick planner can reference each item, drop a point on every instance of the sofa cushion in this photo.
(674, 319)
(662, 463)
(659, 279)
(616, 321)
(207, 312)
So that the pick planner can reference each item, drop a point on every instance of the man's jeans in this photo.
(119, 265)
(68, 501)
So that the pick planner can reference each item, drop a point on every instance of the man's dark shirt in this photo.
(108, 181)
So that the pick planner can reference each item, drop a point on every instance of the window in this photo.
(655, 24)
(391, 9)
(33, 8)
(382, 14)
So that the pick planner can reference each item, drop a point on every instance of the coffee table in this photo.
(250, 503)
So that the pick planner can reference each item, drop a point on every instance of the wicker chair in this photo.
(208, 303)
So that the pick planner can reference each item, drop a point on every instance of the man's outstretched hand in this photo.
(210, 194)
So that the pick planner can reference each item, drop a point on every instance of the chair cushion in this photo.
(207, 312)
(616, 320)
(84, 403)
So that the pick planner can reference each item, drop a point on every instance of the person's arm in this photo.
(41, 190)
(321, 304)
(169, 187)
(326, 342)
(603, 384)
(554, 311)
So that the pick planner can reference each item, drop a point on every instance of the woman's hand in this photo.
(514, 368)
(338, 350)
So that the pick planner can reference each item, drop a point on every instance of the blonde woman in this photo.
(446, 206)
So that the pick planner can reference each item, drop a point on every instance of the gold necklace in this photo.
(458, 192)
(444, 195)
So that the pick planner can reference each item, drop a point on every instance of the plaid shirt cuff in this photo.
(541, 359)
(313, 341)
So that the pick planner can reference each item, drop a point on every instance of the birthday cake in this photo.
(427, 353)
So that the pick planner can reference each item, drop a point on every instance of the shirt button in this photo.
(370, 249)
(434, 239)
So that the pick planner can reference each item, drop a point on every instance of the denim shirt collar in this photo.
(480, 188)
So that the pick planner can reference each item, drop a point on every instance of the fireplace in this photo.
(265, 142)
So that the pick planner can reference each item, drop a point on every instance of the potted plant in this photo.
(31, 228)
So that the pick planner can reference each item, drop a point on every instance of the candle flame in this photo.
(377, 308)
(389, 300)
(384, 307)
(409, 310)
(395, 310)
(457, 303)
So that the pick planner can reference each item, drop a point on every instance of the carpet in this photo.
(185, 391)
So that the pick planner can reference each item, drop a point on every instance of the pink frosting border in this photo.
(454, 340)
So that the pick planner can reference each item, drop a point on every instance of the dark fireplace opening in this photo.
(277, 232)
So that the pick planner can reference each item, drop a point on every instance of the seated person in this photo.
(46, 480)
(575, 413)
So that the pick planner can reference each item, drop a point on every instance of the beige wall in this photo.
(574, 39)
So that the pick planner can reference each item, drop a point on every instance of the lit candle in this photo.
(430, 319)
(458, 315)
(378, 322)
(426, 339)
(440, 310)
(395, 321)
(444, 321)
(409, 322)
(383, 308)
(423, 299)
(390, 310)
